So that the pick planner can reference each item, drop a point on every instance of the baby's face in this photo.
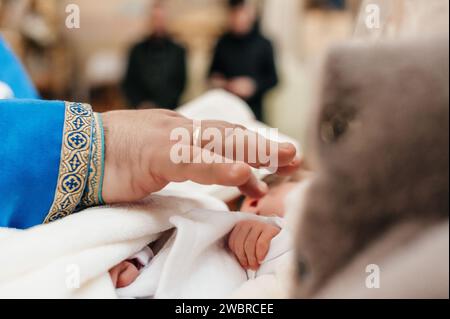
(270, 205)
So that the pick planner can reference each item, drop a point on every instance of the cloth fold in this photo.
(71, 258)
(195, 262)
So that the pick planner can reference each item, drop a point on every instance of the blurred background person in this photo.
(326, 4)
(244, 62)
(156, 72)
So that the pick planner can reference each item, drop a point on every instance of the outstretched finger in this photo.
(292, 168)
(207, 168)
(250, 247)
(237, 143)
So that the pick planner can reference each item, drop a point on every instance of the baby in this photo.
(249, 241)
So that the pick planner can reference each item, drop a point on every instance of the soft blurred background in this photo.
(89, 64)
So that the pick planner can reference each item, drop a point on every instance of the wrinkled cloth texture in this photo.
(196, 263)
(71, 258)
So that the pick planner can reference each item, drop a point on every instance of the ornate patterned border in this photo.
(74, 163)
(92, 194)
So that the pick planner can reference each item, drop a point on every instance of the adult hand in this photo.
(243, 87)
(138, 159)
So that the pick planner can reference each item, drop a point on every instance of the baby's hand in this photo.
(250, 242)
(124, 274)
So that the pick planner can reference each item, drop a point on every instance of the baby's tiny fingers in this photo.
(232, 238)
(239, 246)
(263, 244)
(250, 247)
(262, 248)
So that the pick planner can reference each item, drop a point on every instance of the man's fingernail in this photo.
(297, 160)
(286, 146)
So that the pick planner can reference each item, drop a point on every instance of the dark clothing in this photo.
(156, 73)
(250, 55)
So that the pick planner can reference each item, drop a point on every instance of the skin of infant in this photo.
(249, 240)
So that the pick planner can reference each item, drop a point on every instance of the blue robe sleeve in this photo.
(51, 161)
(51, 153)
(13, 75)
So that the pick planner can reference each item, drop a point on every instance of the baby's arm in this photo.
(124, 274)
(250, 242)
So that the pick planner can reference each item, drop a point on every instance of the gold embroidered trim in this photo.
(75, 155)
(92, 194)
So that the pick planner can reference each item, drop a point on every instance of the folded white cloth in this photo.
(195, 263)
(71, 258)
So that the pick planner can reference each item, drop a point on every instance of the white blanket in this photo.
(71, 258)
(195, 262)
(45, 261)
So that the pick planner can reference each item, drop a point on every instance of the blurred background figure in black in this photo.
(327, 4)
(89, 64)
(243, 61)
(156, 73)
